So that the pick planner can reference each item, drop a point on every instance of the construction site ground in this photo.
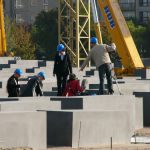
(144, 132)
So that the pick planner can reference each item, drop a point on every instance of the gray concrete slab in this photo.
(88, 128)
(116, 102)
(146, 104)
(29, 105)
(23, 129)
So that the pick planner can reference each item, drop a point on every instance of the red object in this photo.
(72, 88)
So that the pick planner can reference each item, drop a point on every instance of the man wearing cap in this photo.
(62, 68)
(100, 55)
(13, 87)
(34, 86)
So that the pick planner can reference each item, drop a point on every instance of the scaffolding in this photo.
(74, 28)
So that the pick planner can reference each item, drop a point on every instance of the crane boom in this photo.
(120, 34)
(2, 31)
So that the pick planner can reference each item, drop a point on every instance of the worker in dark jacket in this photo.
(73, 87)
(13, 87)
(34, 85)
(62, 68)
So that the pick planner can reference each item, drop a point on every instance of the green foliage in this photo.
(19, 40)
(23, 44)
(45, 34)
(141, 36)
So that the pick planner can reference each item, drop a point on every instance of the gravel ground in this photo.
(140, 132)
(115, 147)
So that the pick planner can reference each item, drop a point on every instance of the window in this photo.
(145, 16)
(45, 2)
(19, 18)
(45, 5)
(129, 15)
(32, 19)
(19, 4)
(35, 2)
(144, 2)
(127, 5)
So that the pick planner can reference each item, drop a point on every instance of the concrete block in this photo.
(29, 105)
(146, 62)
(88, 128)
(133, 105)
(51, 93)
(23, 129)
(146, 104)
(145, 73)
(127, 88)
(8, 99)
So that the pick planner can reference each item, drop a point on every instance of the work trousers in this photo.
(105, 69)
(61, 83)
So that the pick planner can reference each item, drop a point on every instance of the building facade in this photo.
(139, 9)
(25, 11)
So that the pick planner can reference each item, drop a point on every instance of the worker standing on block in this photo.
(100, 55)
(34, 86)
(13, 87)
(62, 68)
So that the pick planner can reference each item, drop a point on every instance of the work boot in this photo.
(111, 92)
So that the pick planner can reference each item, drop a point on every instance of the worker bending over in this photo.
(34, 86)
(100, 55)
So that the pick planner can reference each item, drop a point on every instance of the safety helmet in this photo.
(60, 47)
(42, 74)
(94, 40)
(19, 72)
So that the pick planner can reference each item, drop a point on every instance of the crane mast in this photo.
(115, 24)
(2, 31)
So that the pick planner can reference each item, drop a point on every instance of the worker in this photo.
(34, 86)
(73, 87)
(13, 87)
(100, 55)
(62, 68)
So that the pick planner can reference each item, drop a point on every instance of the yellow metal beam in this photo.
(120, 34)
(2, 31)
(74, 28)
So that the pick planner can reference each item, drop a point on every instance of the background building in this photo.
(139, 9)
(25, 11)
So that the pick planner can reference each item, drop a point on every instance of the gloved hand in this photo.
(113, 45)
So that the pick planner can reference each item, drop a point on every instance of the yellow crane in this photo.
(2, 31)
(121, 36)
(116, 26)
(70, 10)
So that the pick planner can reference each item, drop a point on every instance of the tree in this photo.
(18, 40)
(45, 33)
(24, 47)
(141, 36)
